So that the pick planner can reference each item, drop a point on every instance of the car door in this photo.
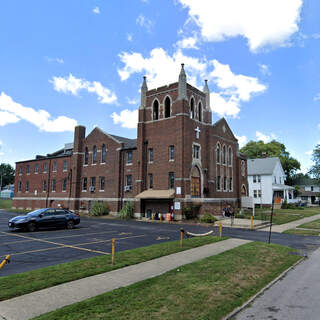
(60, 217)
(46, 219)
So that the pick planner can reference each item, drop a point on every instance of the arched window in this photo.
(167, 107)
(94, 154)
(86, 156)
(224, 155)
(218, 153)
(192, 108)
(200, 111)
(156, 110)
(243, 168)
(103, 153)
(230, 156)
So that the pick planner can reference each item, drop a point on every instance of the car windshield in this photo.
(35, 212)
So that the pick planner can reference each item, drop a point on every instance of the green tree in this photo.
(6, 174)
(315, 169)
(257, 149)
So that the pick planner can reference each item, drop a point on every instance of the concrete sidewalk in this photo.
(39, 302)
(291, 225)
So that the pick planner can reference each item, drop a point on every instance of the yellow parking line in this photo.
(109, 240)
(61, 246)
(52, 238)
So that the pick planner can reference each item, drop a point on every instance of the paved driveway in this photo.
(93, 237)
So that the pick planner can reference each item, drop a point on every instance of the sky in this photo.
(64, 63)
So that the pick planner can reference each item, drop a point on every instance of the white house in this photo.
(309, 192)
(265, 177)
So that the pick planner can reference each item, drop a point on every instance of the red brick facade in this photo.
(177, 149)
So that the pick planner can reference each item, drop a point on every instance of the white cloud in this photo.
(58, 60)
(161, 68)
(242, 140)
(127, 118)
(236, 85)
(129, 37)
(188, 43)
(7, 117)
(11, 111)
(96, 10)
(73, 85)
(144, 22)
(316, 97)
(264, 69)
(263, 23)
(265, 138)
(309, 153)
(132, 101)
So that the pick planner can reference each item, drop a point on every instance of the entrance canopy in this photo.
(156, 194)
(281, 187)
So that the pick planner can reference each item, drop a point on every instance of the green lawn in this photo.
(22, 283)
(208, 289)
(281, 216)
(302, 232)
(311, 225)
(5, 203)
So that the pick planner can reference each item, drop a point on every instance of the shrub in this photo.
(99, 209)
(208, 218)
(127, 212)
(284, 204)
(190, 212)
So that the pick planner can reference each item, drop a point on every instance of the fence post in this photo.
(113, 249)
(181, 237)
(251, 226)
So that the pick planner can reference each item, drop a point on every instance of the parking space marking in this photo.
(62, 237)
(61, 246)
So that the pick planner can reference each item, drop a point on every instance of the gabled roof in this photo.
(262, 165)
(128, 143)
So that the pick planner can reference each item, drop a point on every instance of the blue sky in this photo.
(72, 62)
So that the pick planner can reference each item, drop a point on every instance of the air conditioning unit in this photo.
(127, 188)
(92, 189)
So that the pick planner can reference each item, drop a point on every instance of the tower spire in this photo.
(144, 89)
(182, 86)
(207, 93)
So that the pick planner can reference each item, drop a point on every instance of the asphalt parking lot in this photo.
(33, 250)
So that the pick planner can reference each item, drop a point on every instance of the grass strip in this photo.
(207, 289)
(281, 216)
(26, 282)
(311, 225)
(303, 232)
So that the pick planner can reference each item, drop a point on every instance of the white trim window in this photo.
(218, 153)
(196, 152)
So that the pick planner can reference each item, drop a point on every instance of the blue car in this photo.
(45, 218)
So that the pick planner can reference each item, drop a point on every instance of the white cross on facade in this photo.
(197, 130)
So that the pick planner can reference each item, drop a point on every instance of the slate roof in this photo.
(261, 166)
(128, 143)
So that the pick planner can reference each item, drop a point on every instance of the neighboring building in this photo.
(178, 159)
(7, 192)
(309, 191)
(265, 178)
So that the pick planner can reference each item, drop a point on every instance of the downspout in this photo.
(48, 186)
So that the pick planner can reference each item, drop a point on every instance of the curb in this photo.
(270, 284)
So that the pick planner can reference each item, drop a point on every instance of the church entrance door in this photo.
(195, 183)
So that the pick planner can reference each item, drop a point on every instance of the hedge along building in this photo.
(179, 159)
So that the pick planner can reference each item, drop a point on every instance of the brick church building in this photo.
(179, 159)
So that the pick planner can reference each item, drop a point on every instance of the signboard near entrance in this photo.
(177, 206)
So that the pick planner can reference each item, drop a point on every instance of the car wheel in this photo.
(32, 227)
(70, 224)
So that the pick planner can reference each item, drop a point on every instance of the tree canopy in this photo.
(315, 169)
(257, 149)
(7, 173)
